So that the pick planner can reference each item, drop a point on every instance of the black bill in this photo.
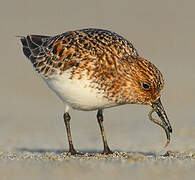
(164, 123)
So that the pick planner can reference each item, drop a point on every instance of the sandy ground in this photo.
(33, 142)
(50, 165)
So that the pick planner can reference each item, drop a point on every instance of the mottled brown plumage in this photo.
(107, 58)
(102, 63)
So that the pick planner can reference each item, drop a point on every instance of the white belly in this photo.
(77, 93)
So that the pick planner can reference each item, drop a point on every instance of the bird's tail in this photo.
(32, 45)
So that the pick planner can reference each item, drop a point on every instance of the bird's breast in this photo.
(81, 94)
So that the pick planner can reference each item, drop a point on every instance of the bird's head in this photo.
(147, 81)
(147, 84)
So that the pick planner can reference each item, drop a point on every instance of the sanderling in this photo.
(94, 69)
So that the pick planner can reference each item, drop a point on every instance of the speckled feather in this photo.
(110, 63)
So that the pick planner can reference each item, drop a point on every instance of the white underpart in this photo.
(76, 93)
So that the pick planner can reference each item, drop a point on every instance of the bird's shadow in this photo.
(90, 152)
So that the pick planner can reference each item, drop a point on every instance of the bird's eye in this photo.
(145, 86)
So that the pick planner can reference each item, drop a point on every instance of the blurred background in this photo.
(31, 114)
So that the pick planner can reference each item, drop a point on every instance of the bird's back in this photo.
(73, 48)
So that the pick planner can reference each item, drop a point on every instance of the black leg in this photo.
(100, 122)
(67, 124)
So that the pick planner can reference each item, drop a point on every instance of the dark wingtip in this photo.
(26, 51)
(32, 41)
(24, 42)
(32, 45)
(38, 39)
(25, 48)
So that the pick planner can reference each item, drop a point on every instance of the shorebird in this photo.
(94, 69)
